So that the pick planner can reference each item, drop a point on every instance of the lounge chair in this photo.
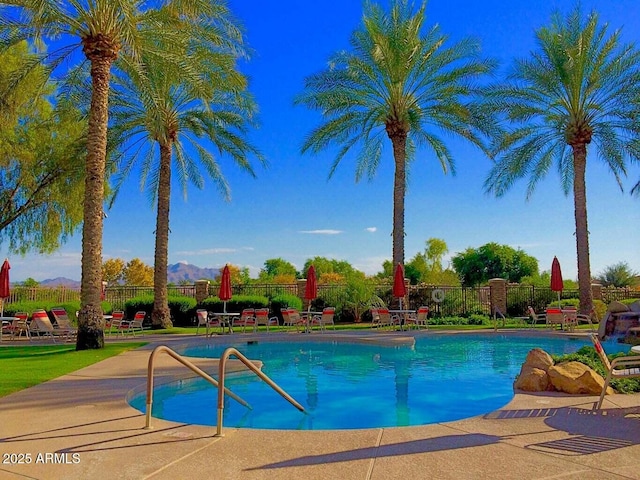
(137, 324)
(630, 364)
(41, 327)
(207, 320)
(247, 319)
(62, 321)
(262, 318)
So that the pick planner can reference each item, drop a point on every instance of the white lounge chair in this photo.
(262, 318)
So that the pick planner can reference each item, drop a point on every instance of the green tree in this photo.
(325, 265)
(477, 266)
(106, 29)
(274, 267)
(176, 111)
(580, 88)
(398, 83)
(618, 275)
(41, 160)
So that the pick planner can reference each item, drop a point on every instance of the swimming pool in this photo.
(353, 385)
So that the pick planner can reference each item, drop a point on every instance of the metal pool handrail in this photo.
(221, 389)
(190, 366)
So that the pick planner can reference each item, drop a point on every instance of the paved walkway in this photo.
(80, 427)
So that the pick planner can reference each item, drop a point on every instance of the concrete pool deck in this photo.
(80, 426)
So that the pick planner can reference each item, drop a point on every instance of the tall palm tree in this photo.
(177, 112)
(579, 89)
(399, 83)
(105, 29)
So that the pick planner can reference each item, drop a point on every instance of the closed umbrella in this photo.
(224, 293)
(399, 288)
(310, 291)
(556, 278)
(4, 284)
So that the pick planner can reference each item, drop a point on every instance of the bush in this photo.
(181, 309)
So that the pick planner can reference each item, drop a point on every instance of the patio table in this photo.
(403, 314)
(226, 320)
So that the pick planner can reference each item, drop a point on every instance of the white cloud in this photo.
(371, 229)
(322, 232)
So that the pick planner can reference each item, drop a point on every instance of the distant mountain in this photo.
(185, 271)
(175, 274)
(60, 282)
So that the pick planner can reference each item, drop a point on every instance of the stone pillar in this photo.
(596, 291)
(202, 290)
(498, 295)
(302, 286)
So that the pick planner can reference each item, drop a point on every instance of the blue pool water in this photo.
(349, 385)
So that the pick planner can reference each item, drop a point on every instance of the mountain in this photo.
(60, 282)
(185, 271)
(176, 273)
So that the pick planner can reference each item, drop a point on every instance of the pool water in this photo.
(351, 385)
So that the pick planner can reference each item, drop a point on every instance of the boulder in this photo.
(532, 379)
(576, 378)
(538, 358)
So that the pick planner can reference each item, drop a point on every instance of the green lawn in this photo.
(26, 366)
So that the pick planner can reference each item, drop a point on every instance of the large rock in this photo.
(538, 358)
(532, 379)
(576, 378)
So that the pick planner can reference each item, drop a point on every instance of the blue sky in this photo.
(291, 210)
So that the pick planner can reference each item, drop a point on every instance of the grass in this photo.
(26, 366)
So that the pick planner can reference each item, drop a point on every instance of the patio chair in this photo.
(18, 326)
(555, 317)
(137, 324)
(291, 318)
(326, 318)
(570, 317)
(116, 322)
(385, 319)
(62, 321)
(630, 364)
(247, 319)
(262, 318)
(536, 317)
(419, 320)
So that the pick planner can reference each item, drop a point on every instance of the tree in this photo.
(275, 267)
(176, 110)
(138, 273)
(477, 266)
(325, 265)
(580, 88)
(113, 271)
(106, 29)
(238, 275)
(397, 82)
(618, 275)
(41, 160)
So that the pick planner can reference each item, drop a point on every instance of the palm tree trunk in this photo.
(399, 142)
(582, 231)
(90, 321)
(161, 316)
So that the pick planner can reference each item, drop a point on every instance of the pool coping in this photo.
(80, 426)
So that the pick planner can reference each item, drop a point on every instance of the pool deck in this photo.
(84, 418)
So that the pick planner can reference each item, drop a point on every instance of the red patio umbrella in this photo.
(310, 291)
(399, 288)
(4, 284)
(556, 278)
(224, 293)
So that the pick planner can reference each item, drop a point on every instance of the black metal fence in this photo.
(441, 300)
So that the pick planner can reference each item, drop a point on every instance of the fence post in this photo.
(302, 285)
(202, 290)
(498, 295)
(596, 291)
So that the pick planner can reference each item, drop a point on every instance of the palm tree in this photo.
(580, 88)
(397, 82)
(176, 111)
(105, 29)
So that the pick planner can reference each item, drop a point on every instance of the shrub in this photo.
(181, 308)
